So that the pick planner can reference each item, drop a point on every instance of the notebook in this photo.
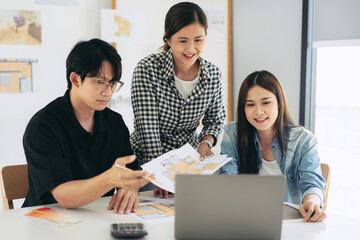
(291, 213)
(229, 206)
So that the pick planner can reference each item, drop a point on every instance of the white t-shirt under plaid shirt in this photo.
(164, 120)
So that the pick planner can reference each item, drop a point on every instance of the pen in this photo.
(129, 170)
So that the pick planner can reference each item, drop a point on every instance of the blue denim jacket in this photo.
(300, 165)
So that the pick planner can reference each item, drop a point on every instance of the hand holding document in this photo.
(130, 170)
(184, 160)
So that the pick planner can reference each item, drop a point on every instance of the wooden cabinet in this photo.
(35, 31)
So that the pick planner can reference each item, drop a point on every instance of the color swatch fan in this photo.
(48, 213)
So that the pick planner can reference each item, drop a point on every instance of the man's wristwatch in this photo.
(208, 142)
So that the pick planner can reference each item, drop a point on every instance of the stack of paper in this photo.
(156, 210)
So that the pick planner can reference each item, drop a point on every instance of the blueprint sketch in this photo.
(185, 160)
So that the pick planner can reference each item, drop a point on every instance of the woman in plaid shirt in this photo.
(171, 91)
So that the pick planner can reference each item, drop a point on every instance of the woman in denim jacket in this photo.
(266, 141)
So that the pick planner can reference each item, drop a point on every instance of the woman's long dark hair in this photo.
(181, 15)
(245, 131)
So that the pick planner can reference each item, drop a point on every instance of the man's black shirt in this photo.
(58, 149)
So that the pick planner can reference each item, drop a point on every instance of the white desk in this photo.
(96, 225)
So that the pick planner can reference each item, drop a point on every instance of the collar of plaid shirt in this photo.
(169, 70)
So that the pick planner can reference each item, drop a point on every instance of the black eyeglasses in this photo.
(102, 85)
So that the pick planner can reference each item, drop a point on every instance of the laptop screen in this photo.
(229, 206)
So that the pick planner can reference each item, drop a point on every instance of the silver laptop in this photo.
(229, 207)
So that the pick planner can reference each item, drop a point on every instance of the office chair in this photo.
(14, 184)
(326, 173)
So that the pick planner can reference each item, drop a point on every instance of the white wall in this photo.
(62, 27)
(337, 20)
(267, 36)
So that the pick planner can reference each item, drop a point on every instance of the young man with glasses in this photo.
(74, 145)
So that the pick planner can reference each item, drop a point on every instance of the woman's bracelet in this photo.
(208, 142)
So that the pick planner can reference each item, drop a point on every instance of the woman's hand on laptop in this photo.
(162, 193)
(310, 209)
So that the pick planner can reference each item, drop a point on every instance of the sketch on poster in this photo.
(123, 26)
(216, 26)
(20, 27)
(16, 75)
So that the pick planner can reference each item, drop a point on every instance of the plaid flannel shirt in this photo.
(163, 119)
